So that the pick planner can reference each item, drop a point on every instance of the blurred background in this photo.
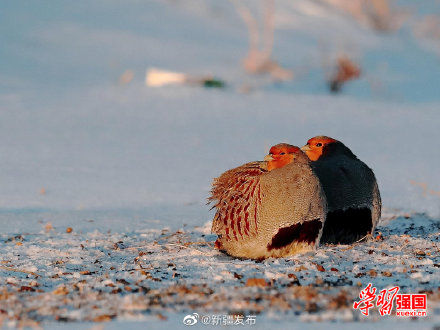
(127, 110)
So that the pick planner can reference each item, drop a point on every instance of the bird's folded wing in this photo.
(237, 195)
(377, 204)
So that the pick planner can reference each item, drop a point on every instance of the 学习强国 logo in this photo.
(406, 304)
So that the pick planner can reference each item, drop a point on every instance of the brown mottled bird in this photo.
(271, 208)
(353, 197)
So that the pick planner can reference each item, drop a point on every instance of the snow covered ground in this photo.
(131, 164)
(149, 275)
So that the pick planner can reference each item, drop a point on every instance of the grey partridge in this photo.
(270, 208)
(353, 197)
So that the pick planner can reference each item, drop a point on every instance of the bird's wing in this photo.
(348, 183)
(377, 206)
(237, 195)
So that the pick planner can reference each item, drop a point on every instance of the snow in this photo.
(125, 163)
(146, 274)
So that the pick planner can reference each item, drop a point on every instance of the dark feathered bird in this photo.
(353, 197)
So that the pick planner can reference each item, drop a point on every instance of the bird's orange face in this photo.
(315, 146)
(280, 155)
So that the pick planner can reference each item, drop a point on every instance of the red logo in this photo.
(386, 299)
(367, 295)
(406, 304)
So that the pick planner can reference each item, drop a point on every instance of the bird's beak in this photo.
(306, 148)
(268, 158)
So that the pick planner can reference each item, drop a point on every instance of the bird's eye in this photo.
(283, 153)
(319, 144)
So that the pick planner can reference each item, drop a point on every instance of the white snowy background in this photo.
(122, 162)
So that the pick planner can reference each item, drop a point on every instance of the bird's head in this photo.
(316, 146)
(281, 155)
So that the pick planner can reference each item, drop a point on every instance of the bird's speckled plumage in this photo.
(263, 213)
